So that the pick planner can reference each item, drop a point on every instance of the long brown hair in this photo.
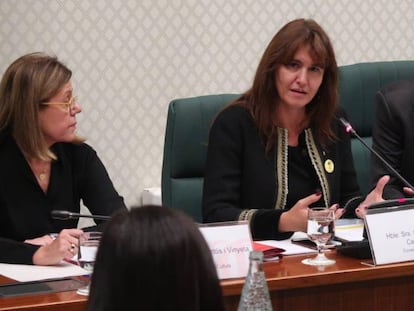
(262, 97)
(29, 81)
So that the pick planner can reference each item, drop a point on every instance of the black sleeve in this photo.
(15, 252)
(97, 190)
(265, 224)
(222, 179)
(388, 142)
(222, 197)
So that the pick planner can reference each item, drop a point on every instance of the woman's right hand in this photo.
(296, 218)
(65, 246)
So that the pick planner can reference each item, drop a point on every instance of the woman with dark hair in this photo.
(154, 258)
(44, 165)
(280, 148)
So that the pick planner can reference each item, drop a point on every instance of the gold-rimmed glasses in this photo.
(68, 105)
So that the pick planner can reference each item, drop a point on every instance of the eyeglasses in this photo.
(68, 105)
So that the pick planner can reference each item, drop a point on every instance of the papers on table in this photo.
(288, 246)
(23, 273)
(345, 229)
(349, 229)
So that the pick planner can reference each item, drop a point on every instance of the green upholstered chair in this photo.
(185, 150)
(189, 119)
(358, 84)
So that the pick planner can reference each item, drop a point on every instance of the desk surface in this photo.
(348, 285)
(290, 273)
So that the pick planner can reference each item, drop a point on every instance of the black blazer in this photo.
(243, 182)
(393, 136)
(25, 209)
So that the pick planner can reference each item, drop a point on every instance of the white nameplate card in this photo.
(391, 233)
(230, 244)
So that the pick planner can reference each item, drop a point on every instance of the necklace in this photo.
(40, 169)
(43, 172)
(43, 175)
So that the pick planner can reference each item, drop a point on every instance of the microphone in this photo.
(65, 215)
(349, 129)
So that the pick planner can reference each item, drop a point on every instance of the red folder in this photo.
(270, 253)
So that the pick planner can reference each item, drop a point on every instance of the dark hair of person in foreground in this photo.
(154, 258)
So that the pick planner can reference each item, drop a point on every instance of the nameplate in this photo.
(391, 234)
(230, 244)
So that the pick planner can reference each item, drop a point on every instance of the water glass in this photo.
(88, 247)
(320, 229)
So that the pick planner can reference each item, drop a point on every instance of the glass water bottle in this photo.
(255, 294)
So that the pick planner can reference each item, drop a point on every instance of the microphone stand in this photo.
(65, 215)
(349, 129)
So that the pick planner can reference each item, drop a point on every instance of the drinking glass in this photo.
(321, 227)
(88, 246)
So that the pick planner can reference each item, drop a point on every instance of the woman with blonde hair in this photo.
(44, 165)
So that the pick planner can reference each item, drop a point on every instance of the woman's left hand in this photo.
(408, 191)
(375, 196)
(338, 211)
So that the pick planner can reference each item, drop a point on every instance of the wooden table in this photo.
(62, 301)
(347, 285)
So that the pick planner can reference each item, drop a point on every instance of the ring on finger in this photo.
(72, 247)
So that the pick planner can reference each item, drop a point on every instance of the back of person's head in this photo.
(280, 51)
(154, 258)
(27, 83)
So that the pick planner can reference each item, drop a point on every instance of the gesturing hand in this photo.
(375, 196)
(295, 219)
(408, 191)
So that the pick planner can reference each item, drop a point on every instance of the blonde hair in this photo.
(29, 81)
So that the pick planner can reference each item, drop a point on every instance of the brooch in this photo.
(329, 166)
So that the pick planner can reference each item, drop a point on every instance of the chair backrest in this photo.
(358, 84)
(185, 150)
(189, 119)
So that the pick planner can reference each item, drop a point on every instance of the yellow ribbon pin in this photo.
(329, 166)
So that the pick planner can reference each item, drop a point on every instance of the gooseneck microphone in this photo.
(65, 215)
(349, 129)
